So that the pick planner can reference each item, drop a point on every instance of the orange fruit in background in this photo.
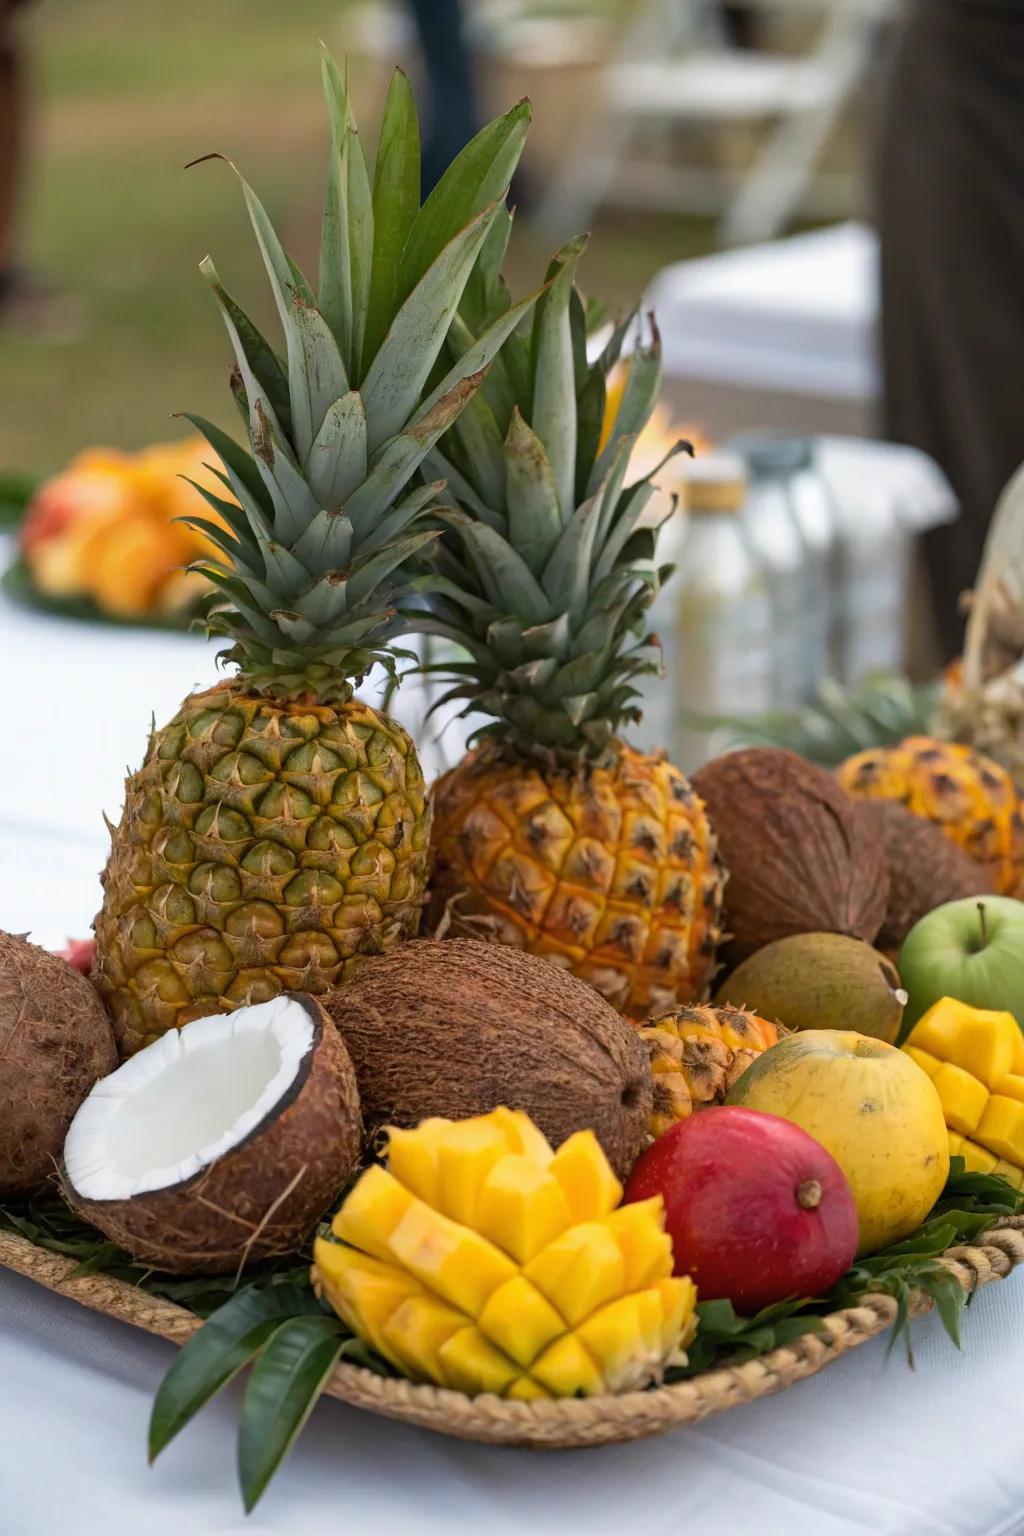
(106, 528)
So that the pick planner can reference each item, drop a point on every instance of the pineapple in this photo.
(482, 1261)
(697, 1054)
(278, 828)
(967, 795)
(553, 833)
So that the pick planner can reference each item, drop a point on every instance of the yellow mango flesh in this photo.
(484, 1262)
(587, 1181)
(975, 1057)
(521, 1207)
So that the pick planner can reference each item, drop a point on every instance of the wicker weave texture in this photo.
(551, 1425)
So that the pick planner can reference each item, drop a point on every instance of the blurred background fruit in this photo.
(107, 529)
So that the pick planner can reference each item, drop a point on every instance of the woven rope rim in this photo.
(572, 1422)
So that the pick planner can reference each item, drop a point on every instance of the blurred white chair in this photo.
(675, 65)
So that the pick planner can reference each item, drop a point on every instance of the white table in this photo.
(867, 1446)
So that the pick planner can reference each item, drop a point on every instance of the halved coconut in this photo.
(221, 1143)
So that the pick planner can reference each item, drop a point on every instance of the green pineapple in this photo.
(278, 829)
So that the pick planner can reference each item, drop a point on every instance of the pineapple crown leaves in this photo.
(318, 522)
(549, 565)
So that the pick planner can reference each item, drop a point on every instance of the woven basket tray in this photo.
(551, 1425)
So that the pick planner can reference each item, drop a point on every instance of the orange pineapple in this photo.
(967, 795)
(554, 833)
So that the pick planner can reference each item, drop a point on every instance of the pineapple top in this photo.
(549, 568)
(313, 545)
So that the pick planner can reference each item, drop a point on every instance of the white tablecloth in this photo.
(867, 1446)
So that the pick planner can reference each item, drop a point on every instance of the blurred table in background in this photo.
(778, 336)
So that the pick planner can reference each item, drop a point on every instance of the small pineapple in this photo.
(482, 1261)
(697, 1054)
(967, 795)
(278, 829)
(553, 833)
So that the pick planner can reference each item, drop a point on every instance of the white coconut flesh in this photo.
(186, 1100)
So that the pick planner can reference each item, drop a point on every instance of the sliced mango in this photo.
(472, 1364)
(1011, 1085)
(520, 1320)
(643, 1242)
(521, 1207)
(1001, 1128)
(465, 1158)
(413, 1157)
(416, 1332)
(374, 1208)
(963, 1097)
(579, 1271)
(523, 1135)
(482, 1260)
(587, 1180)
(924, 1059)
(985, 1043)
(566, 1370)
(625, 1336)
(976, 1159)
(1007, 1171)
(457, 1263)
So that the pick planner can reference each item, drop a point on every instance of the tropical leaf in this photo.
(227, 1342)
(282, 1392)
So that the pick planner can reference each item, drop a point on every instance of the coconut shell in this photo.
(457, 1028)
(801, 859)
(926, 869)
(55, 1042)
(262, 1199)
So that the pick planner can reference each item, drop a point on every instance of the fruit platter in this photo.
(567, 1100)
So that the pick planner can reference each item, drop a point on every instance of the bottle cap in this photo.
(766, 455)
(714, 482)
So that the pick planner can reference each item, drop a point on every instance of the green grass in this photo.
(127, 94)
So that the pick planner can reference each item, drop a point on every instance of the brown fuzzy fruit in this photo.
(458, 1028)
(801, 859)
(222, 1143)
(55, 1041)
(926, 869)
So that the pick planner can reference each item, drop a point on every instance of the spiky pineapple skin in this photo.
(966, 794)
(263, 846)
(611, 871)
(696, 1055)
(482, 1261)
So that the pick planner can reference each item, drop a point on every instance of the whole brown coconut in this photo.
(260, 1199)
(458, 1028)
(55, 1041)
(801, 859)
(926, 869)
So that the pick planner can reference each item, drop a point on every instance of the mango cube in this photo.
(587, 1181)
(1001, 1128)
(521, 1207)
(963, 1097)
(457, 1263)
(976, 1159)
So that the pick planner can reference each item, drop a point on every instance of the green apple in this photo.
(971, 949)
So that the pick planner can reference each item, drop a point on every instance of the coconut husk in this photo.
(55, 1042)
(262, 1199)
(458, 1028)
(800, 858)
(926, 869)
